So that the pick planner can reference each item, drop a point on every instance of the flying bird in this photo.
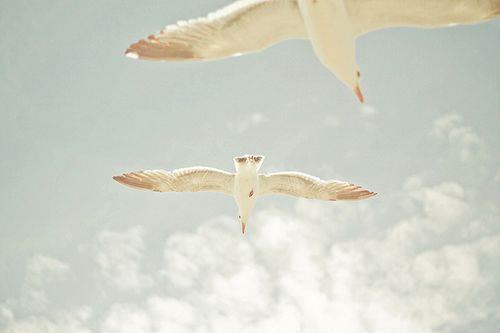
(332, 26)
(245, 185)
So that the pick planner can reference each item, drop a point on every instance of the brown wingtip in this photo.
(356, 192)
(120, 179)
(369, 194)
(151, 48)
(127, 180)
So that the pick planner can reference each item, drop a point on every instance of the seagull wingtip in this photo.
(131, 54)
(119, 179)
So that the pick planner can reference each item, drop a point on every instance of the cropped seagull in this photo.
(244, 185)
(247, 26)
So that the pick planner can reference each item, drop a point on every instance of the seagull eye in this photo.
(239, 216)
(358, 74)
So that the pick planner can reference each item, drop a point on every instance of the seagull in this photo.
(245, 185)
(332, 26)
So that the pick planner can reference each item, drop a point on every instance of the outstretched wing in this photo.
(195, 179)
(301, 185)
(368, 15)
(242, 27)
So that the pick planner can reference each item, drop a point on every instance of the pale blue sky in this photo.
(75, 111)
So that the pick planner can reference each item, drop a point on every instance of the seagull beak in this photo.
(359, 94)
(243, 225)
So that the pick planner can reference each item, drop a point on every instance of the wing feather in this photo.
(242, 27)
(196, 179)
(302, 185)
(369, 15)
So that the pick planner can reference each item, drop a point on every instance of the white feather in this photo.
(194, 179)
(242, 27)
(302, 185)
(368, 15)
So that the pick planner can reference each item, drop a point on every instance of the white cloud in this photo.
(119, 256)
(249, 121)
(125, 318)
(41, 269)
(368, 110)
(157, 315)
(61, 322)
(318, 269)
(304, 272)
(441, 207)
(467, 142)
(41, 272)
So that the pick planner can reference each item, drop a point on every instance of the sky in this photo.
(80, 253)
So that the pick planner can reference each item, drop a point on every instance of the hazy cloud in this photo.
(302, 272)
(42, 269)
(245, 123)
(465, 140)
(441, 207)
(119, 259)
(368, 110)
(41, 272)
(60, 322)
(309, 270)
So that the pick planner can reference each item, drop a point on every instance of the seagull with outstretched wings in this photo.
(247, 26)
(244, 185)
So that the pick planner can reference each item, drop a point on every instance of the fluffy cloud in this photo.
(468, 144)
(42, 272)
(440, 207)
(323, 267)
(60, 322)
(42, 269)
(119, 257)
(307, 272)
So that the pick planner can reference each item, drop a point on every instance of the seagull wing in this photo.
(301, 185)
(195, 179)
(242, 27)
(369, 15)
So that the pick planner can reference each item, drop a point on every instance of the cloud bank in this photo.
(305, 272)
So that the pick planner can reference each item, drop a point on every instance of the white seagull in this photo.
(245, 185)
(247, 26)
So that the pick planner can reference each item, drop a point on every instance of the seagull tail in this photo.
(152, 48)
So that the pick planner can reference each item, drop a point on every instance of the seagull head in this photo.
(243, 220)
(350, 75)
(357, 89)
(351, 79)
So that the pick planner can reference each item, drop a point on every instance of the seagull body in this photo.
(245, 185)
(332, 26)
